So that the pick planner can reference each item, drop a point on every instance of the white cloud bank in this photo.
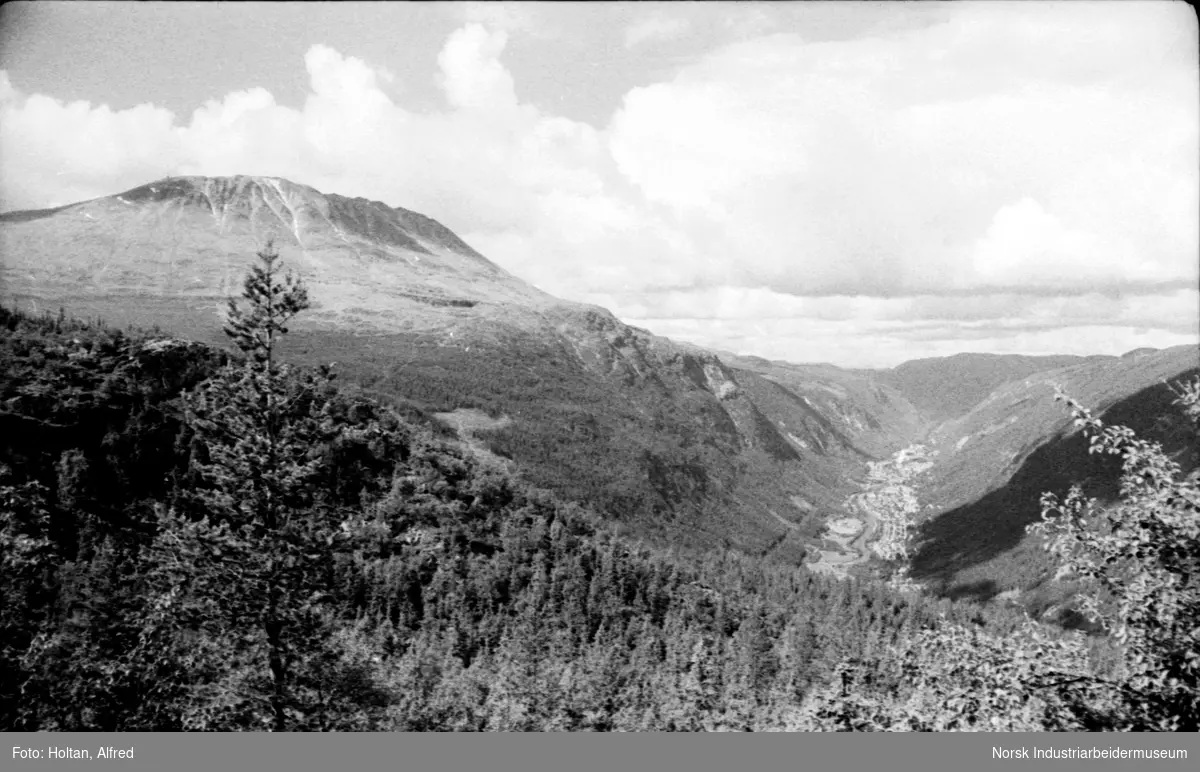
(1020, 177)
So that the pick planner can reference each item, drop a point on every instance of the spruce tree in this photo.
(245, 585)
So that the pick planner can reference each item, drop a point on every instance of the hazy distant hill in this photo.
(945, 387)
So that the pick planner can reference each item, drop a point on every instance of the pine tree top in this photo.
(273, 300)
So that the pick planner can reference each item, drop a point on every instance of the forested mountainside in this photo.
(473, 418)
(194, 540)
(659, 436)
(425, 588)
(678, 444)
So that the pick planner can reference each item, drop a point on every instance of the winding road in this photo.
(853, 550)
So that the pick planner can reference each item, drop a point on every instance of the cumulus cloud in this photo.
(53, 152)
(1172, 310)
(505, 17)
(1012, 175)
(472, 74)
(531, 190)
(920, 163)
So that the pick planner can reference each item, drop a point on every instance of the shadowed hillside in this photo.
(981, 450)
(980, 548)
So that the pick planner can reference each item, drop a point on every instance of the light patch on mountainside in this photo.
(801, 504)
(719, 383)
(797, 440)
(468, 422)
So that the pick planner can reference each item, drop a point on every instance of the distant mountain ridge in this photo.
(945, 387)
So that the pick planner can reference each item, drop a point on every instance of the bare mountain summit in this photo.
(368, 265)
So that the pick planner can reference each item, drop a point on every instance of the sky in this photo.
(859, 183)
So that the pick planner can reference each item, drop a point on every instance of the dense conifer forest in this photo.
(194, 539)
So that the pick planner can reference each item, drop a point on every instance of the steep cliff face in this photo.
(812, 416)
(841, 412)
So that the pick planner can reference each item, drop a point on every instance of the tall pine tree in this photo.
(245, 585)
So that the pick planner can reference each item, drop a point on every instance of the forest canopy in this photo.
(199, 539)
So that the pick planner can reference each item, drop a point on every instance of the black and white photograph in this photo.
(646, 367)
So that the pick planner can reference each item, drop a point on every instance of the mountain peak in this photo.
(193, 237)
(239, 195)
(218, 189)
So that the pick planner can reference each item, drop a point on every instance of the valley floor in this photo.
(878, 517)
